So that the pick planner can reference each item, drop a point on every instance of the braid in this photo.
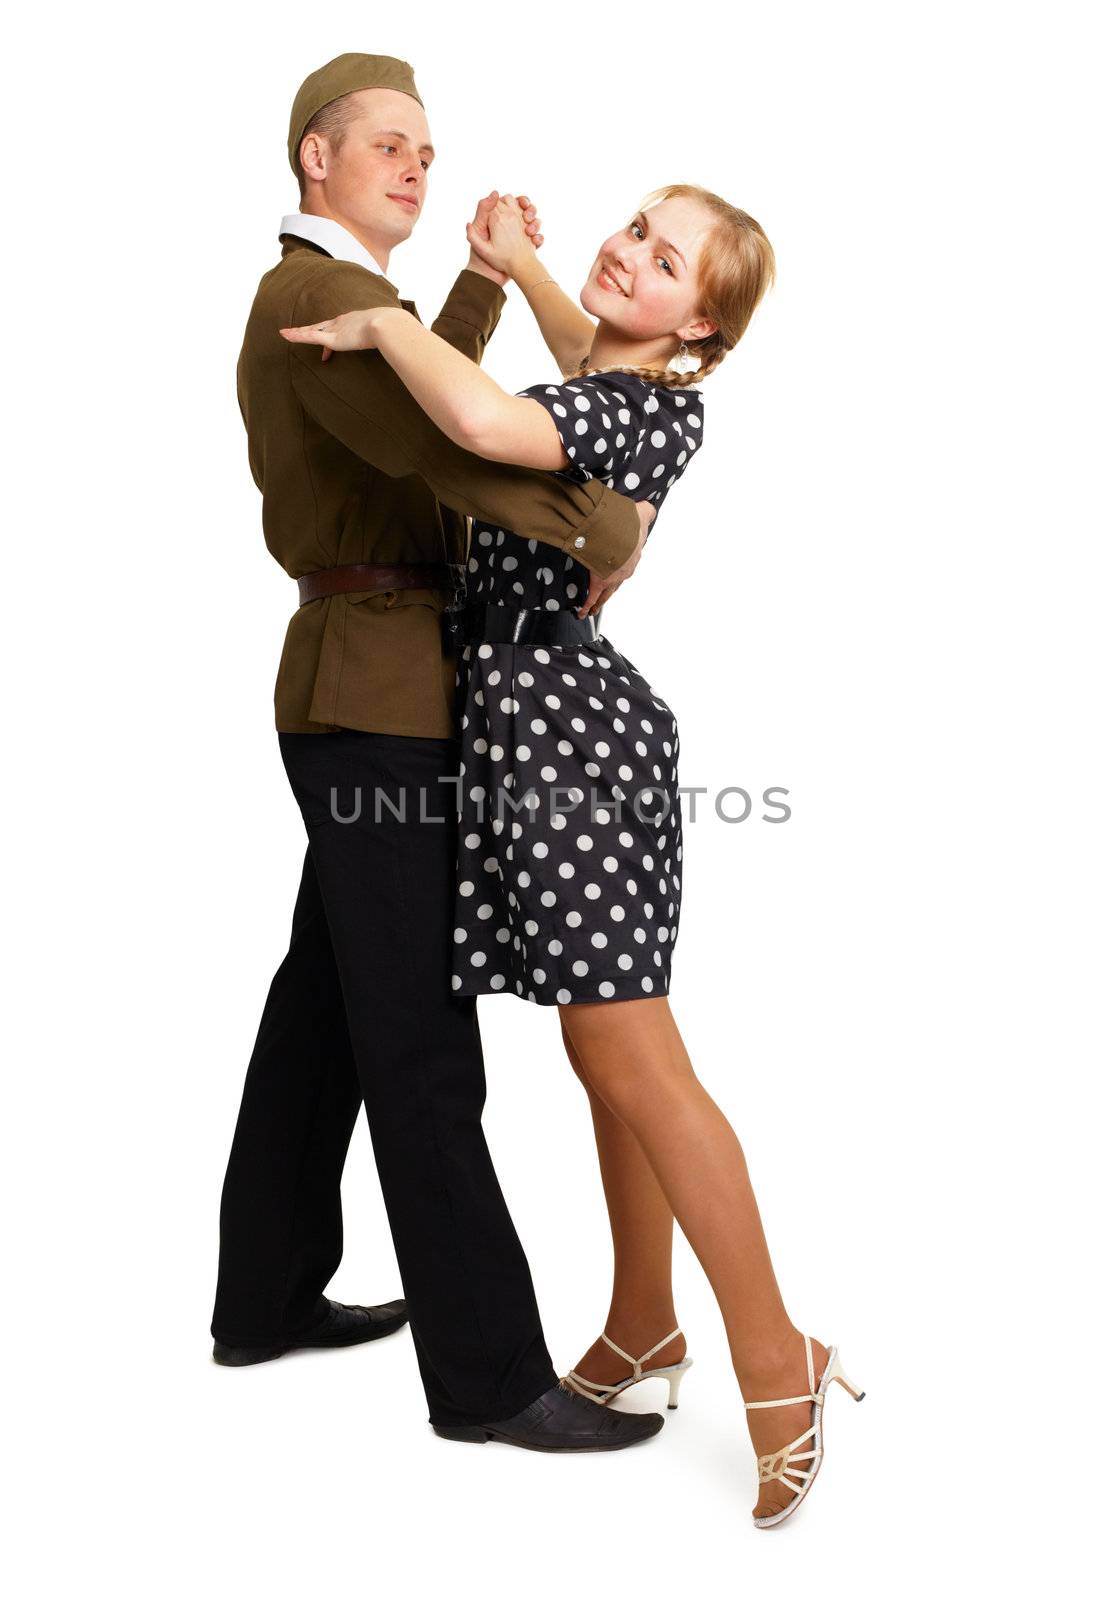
(660, 375)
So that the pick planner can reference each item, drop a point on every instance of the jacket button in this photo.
(578, 544)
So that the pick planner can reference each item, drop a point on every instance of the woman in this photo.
(569, 863)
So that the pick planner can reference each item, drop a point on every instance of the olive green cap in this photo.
(343, 76)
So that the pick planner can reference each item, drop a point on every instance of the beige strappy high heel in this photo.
(780, 1467)
(603, 1393)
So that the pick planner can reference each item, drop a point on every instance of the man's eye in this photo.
(425, 166)
(391, 147)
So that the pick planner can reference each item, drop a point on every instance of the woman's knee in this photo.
(619, 1059)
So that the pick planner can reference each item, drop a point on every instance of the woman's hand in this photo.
(352, 330)
(504, 234)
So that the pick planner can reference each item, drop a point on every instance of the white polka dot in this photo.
(592, 890)
(580, 968)
(478, 959)
(606, 989)
(599, 940)
(496, 980)
(564, 996)
(467, 888)
(584, 841)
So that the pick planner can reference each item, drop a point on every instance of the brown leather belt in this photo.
(379, 579)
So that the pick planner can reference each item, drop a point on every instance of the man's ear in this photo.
(314, 155)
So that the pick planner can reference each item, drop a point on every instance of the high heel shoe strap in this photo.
(637, 1362)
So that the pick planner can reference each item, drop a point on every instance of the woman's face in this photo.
(644, 280)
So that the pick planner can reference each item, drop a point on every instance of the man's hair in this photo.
(332, 122)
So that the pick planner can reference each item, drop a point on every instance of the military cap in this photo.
(342, 76)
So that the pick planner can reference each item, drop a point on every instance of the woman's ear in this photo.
(696, 330)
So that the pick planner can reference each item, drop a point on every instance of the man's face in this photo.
(376, 182)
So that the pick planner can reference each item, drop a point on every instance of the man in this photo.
(364, 502)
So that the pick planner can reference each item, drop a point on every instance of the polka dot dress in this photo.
(569, 857)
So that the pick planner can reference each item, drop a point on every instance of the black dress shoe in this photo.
(559, 1420)
(344, 1325)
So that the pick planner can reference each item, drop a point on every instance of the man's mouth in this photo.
(404, 200)
(608, 281)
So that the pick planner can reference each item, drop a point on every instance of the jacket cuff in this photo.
(608, 536)
(476, 301)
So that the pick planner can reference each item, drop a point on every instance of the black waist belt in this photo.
(485, 624)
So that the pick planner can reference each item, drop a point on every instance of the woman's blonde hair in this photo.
(736, 267)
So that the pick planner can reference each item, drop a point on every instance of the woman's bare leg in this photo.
(642, 1310)
(631, 1054)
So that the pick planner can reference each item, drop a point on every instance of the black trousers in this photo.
(362, 1009)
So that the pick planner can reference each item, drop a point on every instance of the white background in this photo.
(881, 586)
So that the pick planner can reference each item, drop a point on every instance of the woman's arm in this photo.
(504, 243)
(566, 330)
(455, 394)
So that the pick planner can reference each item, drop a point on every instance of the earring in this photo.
(683, 362)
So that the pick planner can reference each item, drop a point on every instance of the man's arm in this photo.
(362, 402)
(470, 315)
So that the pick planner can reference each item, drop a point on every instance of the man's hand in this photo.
(600, 590)
(482, 259)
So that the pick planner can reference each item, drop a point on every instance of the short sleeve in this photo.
(596, 424)
(637, 437)
(671, 432)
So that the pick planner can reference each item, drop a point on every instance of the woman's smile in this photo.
(606, 279)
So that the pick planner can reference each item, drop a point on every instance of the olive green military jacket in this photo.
(352, 470)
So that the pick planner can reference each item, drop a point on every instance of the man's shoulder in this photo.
(321, 285)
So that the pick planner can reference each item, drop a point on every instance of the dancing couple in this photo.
(529, 842)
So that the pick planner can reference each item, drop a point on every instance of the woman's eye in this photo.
(664, 263)
(636, 230)
(425, 166)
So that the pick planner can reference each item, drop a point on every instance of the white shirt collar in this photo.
(332, 237)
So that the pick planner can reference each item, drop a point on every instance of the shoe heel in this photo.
(674, 1387)
(838, 1375)
(462, 1435)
